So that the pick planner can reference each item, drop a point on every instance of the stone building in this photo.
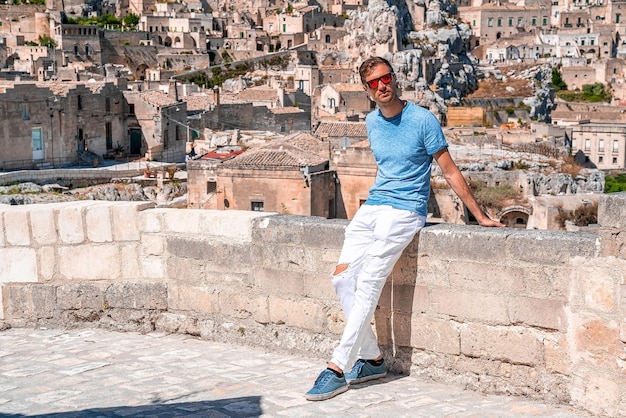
(51, 124)
(80, 42)
(491, 22)
(339, 102)
(158, 125)
(601, 144)
(289, 176)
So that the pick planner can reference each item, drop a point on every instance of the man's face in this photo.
(376, 87)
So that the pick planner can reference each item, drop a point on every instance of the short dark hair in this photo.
(370, 63)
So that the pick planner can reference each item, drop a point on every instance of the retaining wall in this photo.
(523, 312)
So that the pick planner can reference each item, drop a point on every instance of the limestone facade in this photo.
(529, 313)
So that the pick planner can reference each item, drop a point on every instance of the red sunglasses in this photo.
(386, 79)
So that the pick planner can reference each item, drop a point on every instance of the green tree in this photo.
(557, 81)
(47, 41)
(131, 20)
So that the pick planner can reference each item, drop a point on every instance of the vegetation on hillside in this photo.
(615, 183)
(105, 21)
(494, 197)
(593, 93)
(557, 82)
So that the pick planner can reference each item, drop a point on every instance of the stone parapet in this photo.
(522, 312)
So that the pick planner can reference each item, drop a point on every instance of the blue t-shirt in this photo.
(403, 147)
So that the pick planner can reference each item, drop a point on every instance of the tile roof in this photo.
(278, 154)
(288, 109)
(348, 87)
(157, 98)
(199, 101)
(340, 129)
(264, 94)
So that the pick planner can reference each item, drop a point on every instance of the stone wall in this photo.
(523, 312)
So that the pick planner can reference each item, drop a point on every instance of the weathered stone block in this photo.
(47, 263)
(318, 285)
(549, 314)
(126, 222)
(140, 295)
(131, 269)
(16, 226)
(192, 298)
(557, 355)
(81, 296)
(468, 305)
(70, 224)
(18, 302)
(596, 340)
(599, 393)
(184, 270)
(43, 225)
(434, 335)
(612, 211)
(456, 242)
(187, 224)
(274, 281)
(2, 303)
(302, 313)
(2, 230)
(151, 220)
(77, 262)
(509, 344)
(98, 224)
(557, 247)
(18, 265)
(234, 224)
(43, 299)
(152, 267)
(152, 245)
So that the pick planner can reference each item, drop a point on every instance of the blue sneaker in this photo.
(364, 371)
(326, 386)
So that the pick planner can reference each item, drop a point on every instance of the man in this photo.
(404, 139)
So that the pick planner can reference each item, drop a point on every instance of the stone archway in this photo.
(515, 216)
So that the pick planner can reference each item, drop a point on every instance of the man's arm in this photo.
(455, 179)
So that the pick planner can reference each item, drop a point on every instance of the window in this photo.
(256, 206)
(25, 113)
(499, 21)
(601, 145)
(533, 21)
(301, 84)
(107, 104)
(615, 145)
(587, 144)
(211, 187)
(600, 159)
(490, 22)
(131, 109)
(166, 137)
(79, 102)
(109, 135)
(510, 21)
(614, 160)
(519, 22)
(544, 21)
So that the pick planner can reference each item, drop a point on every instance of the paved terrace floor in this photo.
(98, 373)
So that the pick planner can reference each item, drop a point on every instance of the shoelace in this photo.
(323, 377)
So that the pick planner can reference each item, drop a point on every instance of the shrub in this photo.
(494, 197)
(614, 184)
(570, 166)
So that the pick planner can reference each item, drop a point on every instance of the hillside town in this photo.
(258, 106)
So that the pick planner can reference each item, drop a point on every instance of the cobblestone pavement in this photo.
(98, 373)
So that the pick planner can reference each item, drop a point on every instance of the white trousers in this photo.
(374, 241)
